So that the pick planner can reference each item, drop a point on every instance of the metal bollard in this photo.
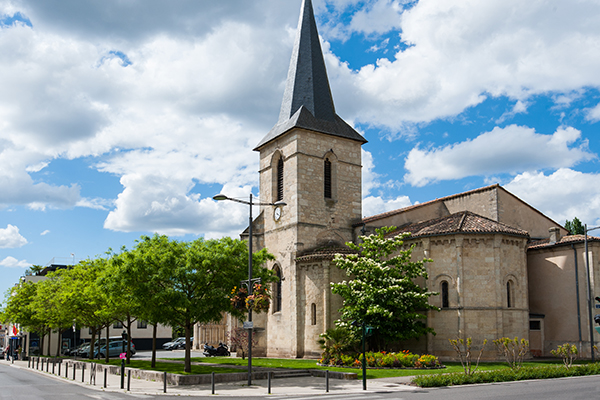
(29, 362)
(269, 382)
(128, 379)
(212, 382)
(74, 369)
(165, 382)
(327, 381)
(53, 366)
(105, 372)
(66, 370)
(82, 373)
(59, 365)
(38, 363)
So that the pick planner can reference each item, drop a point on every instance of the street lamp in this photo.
(589, 288)
(250, 282)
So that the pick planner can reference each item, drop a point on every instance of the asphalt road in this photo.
(23, 384)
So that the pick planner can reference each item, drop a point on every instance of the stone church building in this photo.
(502, 268)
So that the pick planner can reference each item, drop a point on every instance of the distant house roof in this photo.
(461, 222)
(564, 241)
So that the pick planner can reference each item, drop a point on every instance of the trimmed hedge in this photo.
(506, 375)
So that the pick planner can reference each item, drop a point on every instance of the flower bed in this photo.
(404, 359)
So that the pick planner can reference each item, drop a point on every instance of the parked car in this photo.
(115, 348)
(178, 343)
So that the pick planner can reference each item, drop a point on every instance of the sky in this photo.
(121, 118)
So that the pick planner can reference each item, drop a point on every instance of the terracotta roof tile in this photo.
(462, 222)
(565, 240)
(324, 253)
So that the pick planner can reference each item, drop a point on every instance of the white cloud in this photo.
(373, 205)
(45, 232)
(593, 114)
(463, 51)
(562, 195)
(10, 238)
(513, 149)
(12, 262)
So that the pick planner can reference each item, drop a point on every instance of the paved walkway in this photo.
(301, 386)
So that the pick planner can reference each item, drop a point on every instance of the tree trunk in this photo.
(106, 356)
(188, 362)
(93, 342)
(49, 341)
(154, 330)
(129, 322)
(59, 343)
(43, 335)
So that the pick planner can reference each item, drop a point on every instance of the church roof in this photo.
(324, 253)
(564, 241)
(462, 222)
(441, 199)
(307, 101)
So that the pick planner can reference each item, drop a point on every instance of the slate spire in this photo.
(307, 82)
(307, 101)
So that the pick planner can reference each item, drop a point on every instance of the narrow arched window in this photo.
(277, 290)
(313, 314)
(280, 179)
(509, 299)
(445, 302)
(327, 180)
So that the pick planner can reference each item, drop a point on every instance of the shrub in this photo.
(463, 349)
(427, 361)
(506, 375)
(513, 350)
(568, 353)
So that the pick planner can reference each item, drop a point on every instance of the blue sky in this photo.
(124, 118)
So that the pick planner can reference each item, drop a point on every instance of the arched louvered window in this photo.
(445, 301)
(509, 299)
(327, 178)
(280, 179)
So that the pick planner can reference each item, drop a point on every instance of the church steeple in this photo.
(307, 83)
(307, 101)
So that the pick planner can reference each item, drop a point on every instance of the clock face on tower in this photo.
(277, 213)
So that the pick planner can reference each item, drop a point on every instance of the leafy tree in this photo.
(381, 290)
(19, 308)
(197, 279)
(575, 227)
(50, 307)
(140, 272)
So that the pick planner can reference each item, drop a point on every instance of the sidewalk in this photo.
(302, 386)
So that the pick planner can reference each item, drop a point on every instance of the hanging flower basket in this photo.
(259, 301)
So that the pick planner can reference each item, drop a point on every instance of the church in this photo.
(501, 267)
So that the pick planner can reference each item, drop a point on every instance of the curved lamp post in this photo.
(250, 203)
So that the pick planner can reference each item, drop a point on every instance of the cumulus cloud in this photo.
(593, 114)
(373, 205)
(578, 194)
(513, 149)
(44, 233)
(10, 238)
(12, 262)
(464, 51)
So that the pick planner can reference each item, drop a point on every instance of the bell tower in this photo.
(311, 159)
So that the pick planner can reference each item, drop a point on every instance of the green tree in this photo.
(381, 289)
(19, 308)
(198, 277)
(575, 227)
(50, 308)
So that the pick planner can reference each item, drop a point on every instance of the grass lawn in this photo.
(173, 368)
(371, 373)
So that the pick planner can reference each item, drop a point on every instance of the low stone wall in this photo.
(177, 380)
